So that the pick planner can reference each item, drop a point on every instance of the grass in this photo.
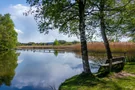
(130, 67)
(110, 82)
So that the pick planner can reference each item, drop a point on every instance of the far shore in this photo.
(92, 47)
(61, 47)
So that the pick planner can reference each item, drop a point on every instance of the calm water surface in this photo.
(38, 70)
(43, 69)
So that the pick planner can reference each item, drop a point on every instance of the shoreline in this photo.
(120, 47)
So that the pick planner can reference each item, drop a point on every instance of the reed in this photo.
(115, 47)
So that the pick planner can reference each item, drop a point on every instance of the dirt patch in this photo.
(123, 74)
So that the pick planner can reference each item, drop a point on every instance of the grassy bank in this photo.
(92, 47)
(124, 80)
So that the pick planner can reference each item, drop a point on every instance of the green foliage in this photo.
(62, 41)
(75, 42)
(8, 36)
(60, 14)
(129, 21)
(56, 42)
(112, 15)
(8, 63)
(81, 17)
(63, 15)
(69, 43)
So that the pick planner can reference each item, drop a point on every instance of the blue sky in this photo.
(26, 26)
(6, 3)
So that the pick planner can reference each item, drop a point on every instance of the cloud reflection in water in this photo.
(42, 70)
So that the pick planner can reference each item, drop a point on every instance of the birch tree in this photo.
(66, 15)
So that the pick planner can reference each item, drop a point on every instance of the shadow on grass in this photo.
(80, 80)
(88, 82)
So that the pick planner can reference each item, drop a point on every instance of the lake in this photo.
(40, 69)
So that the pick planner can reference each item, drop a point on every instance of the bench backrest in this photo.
(116, 59)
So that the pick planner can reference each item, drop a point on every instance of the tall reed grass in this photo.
(115, 47)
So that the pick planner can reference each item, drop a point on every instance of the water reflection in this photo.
(56, 53)
(8, 63)
(43, 71)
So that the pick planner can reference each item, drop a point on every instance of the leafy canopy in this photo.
(60, 14)
(64, 15)
(8, 36)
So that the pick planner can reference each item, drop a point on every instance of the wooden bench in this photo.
(114, 65)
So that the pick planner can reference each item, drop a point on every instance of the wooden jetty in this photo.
(44, 50)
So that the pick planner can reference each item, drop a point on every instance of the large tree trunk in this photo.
(84, 51)
(102, 26)
(106, 43)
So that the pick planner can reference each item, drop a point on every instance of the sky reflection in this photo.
(39, 70)
(44, 70)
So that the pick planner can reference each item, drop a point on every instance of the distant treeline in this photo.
(56, 42)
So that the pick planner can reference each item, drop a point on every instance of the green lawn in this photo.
(110, 82)
(130, 67)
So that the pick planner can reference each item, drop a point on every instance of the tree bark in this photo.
(84, 51)
(103, 33)
(102, 26)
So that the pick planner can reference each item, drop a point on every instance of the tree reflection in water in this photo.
(8, 63)
(56, 53)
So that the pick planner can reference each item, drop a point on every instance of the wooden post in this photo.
(110, 65)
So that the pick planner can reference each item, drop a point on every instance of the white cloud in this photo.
(19, 61)
(27, 28)
(18, 31)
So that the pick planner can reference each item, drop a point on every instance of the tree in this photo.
(62, 41)
(8, 36)
(129, 21)
(56, 42)
(68, 15)
(107, 14)
(65, 15)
